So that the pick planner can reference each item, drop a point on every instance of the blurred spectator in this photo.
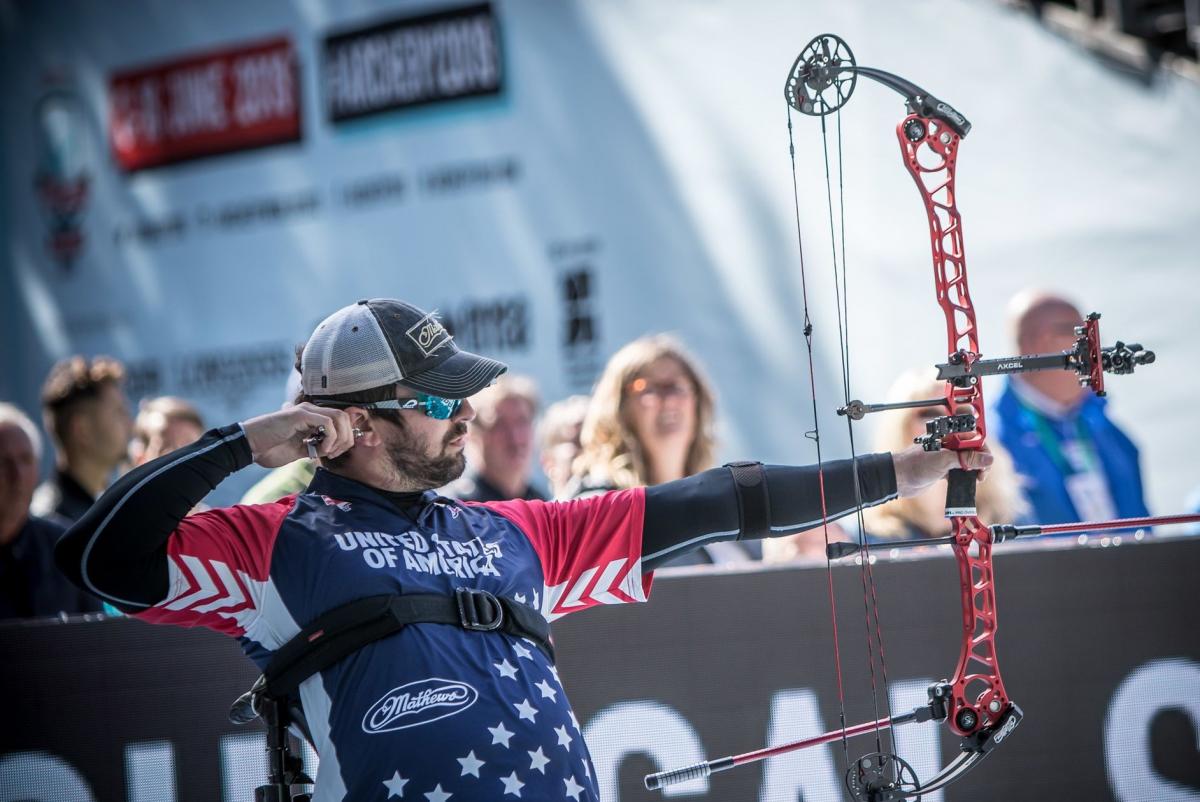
(807, 545)
(88, 419)
(500, 444)
(998, 499)
(1075, 463)
(559, 441)
(30, 583)
(651, 421)
(293, 477)
(163, 425)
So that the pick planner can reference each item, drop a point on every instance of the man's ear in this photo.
(363, 422)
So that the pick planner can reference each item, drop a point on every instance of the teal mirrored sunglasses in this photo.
(435, 407)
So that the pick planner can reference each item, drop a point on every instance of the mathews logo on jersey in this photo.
(418, 703)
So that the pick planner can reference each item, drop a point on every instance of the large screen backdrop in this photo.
(1098, 646)
(191, 187)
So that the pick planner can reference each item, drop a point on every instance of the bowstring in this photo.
(815, 436)
(866, 573)
(866, 565)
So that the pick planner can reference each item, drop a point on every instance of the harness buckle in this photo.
(478, 610)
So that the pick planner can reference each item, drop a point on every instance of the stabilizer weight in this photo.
(696, 771)
(662, 778)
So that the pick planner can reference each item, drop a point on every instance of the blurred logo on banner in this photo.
(494, 326)
(412, 61)
(64, 170)
(581, 340)
(241, 97)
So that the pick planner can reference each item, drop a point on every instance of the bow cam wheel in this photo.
(880, 777)
(822, 78)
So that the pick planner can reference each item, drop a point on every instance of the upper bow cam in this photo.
(824, 75)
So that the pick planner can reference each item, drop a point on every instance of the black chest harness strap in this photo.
(346, 629)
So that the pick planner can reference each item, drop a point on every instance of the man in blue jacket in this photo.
(1076, 465)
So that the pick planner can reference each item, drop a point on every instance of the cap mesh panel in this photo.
(351, 351)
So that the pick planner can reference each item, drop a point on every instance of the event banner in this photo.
(218, 102)
(1098, 646)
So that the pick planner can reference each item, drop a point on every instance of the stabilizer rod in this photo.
(934, 710)
(1003, 532)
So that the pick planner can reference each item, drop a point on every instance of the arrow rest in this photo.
(938, 429)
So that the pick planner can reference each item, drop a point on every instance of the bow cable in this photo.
(815, 436)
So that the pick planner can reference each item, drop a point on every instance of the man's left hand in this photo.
(918, 469)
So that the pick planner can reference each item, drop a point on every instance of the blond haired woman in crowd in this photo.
(998, 499)
(651, 420)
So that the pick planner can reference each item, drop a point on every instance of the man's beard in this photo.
(407, 456)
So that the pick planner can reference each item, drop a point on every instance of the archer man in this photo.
(459, 698)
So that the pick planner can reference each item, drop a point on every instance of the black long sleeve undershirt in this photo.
(688, 513)
(118, 550)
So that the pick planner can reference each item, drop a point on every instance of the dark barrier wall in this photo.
(1099, 646)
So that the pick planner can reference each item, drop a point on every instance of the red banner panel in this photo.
(216, 102)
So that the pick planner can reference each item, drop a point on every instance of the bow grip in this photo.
(960, 493)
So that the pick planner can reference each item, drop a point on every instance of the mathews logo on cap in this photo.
(428, 334)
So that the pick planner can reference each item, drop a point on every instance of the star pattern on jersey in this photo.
(564, 737)
(470, 764)
(520, 597)
(500, 735)
(512, 784)
(537, 601)
(575, 722)
(573, 789)
(547, 691)
(395, 785)
(506, 669)
(438, 795)
(526, 710)
(538, 760)
(520, 649)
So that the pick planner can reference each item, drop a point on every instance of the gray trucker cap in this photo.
(384, 341)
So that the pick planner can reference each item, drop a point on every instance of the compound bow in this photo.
(973, 703)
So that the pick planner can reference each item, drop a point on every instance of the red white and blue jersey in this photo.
(433, 712)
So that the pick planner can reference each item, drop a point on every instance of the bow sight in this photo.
(964, 369)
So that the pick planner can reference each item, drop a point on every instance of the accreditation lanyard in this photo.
(1081, 457)
(1078, 463)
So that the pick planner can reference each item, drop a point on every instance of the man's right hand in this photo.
(277, 438)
